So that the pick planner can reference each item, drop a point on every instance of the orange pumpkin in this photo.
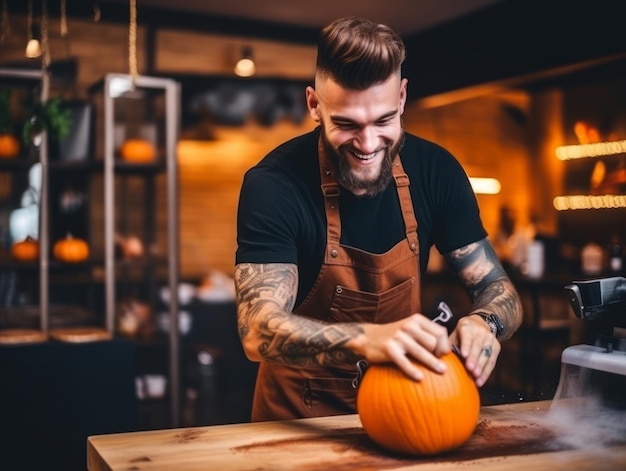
(71, 250)
(26, 250)
(137, 150)
(425, 417)
(9, 146)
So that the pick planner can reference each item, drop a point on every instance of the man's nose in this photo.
(367, 140)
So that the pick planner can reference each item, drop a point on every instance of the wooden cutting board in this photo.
(21, 336)
(508, 437)
(80, 334)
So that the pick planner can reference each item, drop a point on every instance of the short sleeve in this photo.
(267, 219)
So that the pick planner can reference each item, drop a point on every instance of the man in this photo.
(328, 262)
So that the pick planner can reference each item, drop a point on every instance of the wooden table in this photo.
(507, 437)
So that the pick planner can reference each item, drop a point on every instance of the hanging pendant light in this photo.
(245, 66)
(33, 48)
(33, 45)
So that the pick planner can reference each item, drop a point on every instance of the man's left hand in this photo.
(478, 347)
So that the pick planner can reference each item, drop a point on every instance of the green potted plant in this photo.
(9, 143)
(50, 116)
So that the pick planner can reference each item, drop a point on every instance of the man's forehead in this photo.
(333, 96)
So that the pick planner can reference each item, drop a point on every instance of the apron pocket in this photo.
(329, 396)
(350, 305)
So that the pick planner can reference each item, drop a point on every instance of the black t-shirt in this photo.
(281, 215)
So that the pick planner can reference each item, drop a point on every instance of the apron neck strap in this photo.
(330, 190)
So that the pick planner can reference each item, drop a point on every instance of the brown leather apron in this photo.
(352, 286)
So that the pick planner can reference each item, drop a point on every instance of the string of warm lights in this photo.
(597, 149)
(573, 202)
(583, 151)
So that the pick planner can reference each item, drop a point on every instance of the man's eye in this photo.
(345, 126)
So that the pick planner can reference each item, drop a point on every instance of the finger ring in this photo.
(487, 351)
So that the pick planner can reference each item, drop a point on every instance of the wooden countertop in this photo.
(507, 437)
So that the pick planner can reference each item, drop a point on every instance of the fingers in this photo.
(478, 347)
(402, 350)
(483, 359)
(420, 339)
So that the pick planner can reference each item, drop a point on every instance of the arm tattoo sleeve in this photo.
(479, 270)
(266, 296)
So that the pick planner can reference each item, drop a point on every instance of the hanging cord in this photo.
(29, 22)
(45, 46)
(5, 26)
(96, 11)
(132, 40)
(63, 19)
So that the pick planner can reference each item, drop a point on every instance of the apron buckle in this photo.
(445, 313)
(361, 366)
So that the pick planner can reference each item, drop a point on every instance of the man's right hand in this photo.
(416, 337)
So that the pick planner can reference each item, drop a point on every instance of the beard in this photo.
(357, 183)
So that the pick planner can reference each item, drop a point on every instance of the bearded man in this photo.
(334, 229)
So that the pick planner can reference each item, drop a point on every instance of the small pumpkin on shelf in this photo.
(71, 249)
(426, 417)
(9, 146)
(26, 250)
(9, 143)
(137, 151)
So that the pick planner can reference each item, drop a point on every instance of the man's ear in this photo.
(403, 94)
(312, 104)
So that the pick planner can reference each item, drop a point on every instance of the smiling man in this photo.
(334, 230)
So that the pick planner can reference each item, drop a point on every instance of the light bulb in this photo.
(245, 67)
(33, 49)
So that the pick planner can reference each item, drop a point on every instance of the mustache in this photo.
(351, 181)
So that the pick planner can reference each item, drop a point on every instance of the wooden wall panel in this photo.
(183, 52)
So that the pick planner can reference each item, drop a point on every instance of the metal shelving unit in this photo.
(38, 81)
(160, 99)
(40, 77)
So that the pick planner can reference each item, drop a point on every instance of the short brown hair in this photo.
(358, 53)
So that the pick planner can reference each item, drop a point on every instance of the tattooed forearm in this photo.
(300, 341)
(479, 270)
(265, 298)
